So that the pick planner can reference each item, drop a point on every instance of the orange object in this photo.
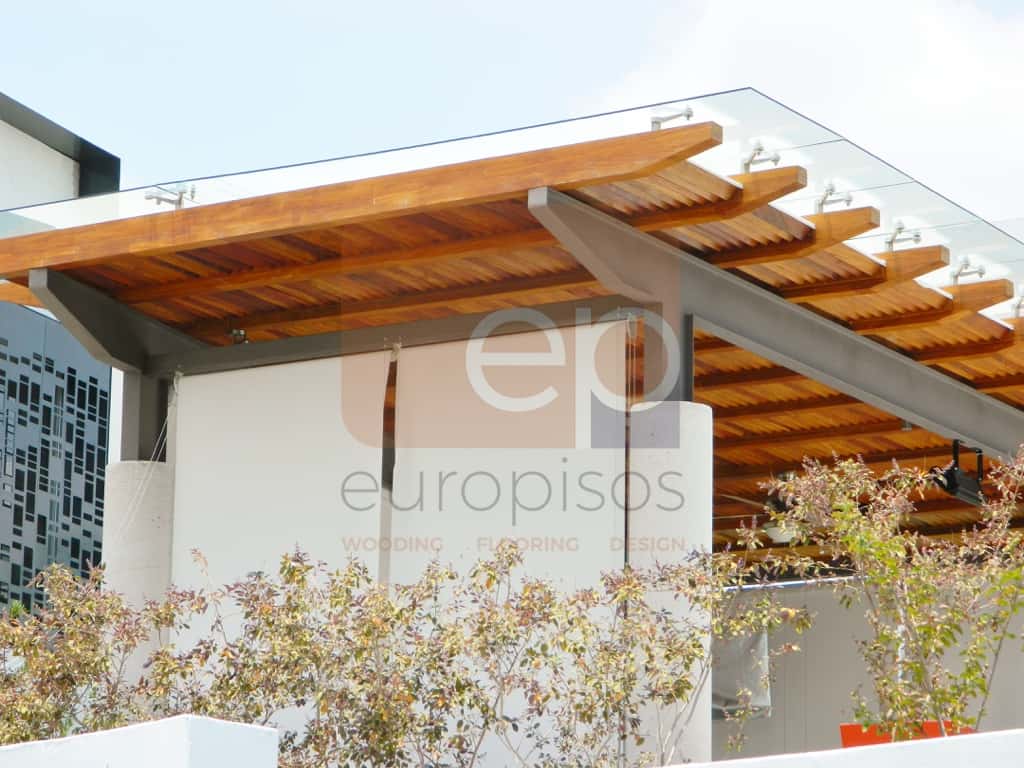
(856, 735)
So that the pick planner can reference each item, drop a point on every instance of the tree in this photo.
(938, 609)
(438, 672)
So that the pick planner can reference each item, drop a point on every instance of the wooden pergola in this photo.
(384, 258)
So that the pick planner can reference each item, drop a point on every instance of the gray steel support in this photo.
(143, 413)
(111, 332)
(419, 333)
(646, 269)
(122, 338)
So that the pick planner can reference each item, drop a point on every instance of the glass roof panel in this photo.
(748, 117)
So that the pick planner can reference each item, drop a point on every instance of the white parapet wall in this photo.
(998, 749)
(177, 742)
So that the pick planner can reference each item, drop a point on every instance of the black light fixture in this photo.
(954, 481)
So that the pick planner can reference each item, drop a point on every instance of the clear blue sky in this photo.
(185, 88)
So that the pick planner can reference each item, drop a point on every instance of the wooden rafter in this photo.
(18, 294)
(773, 407)
(479, 181)
(899, 267)
(783, 437)
(757, 191)
(964, 300)
(829, 229)
(518, 289)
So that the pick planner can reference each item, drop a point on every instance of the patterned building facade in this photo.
(54, 422)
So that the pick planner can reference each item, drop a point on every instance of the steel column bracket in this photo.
(638, 264)
(111, 332)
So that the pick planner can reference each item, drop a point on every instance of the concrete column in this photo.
(137, 528)
(671, 446)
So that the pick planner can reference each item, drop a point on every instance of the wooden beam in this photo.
(965, 300)
(343, 265)
(888, 426)
(900, 267)
(952, 353)
(879, 460)
(759, 189)
(772, 373)
(781, 406)
(447, 297)
(18, 294)
(479, 181)
(829, 229)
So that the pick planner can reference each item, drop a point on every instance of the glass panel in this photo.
(748, 118)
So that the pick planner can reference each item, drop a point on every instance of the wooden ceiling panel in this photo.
(679, 185)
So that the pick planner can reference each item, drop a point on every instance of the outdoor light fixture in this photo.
(757, 156)
(964, 269)
(238, 336)
(831, 197)
(176, 197)
(659, 120)
(897, 236)
(958, 483)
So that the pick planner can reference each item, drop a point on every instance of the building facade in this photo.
(54, 397)
(54, 410)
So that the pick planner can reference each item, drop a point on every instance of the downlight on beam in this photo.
(957, 483)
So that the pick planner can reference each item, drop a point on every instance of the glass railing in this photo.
(749, 119)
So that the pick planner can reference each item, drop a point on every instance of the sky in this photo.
(189, 88)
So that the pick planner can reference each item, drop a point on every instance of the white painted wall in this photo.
(259, 457)
(177, 742)
(31, 172)
(811, 692)
(1001, 749)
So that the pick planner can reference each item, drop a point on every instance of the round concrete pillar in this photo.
(670, 492)
(138, 510)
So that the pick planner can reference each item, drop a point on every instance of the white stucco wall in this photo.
(1001, 749)
(177, 742)
(31, 172)
(811, 691)
(259, 457)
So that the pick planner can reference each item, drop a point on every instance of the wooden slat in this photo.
(965, 300)
(967, 350)
(344, 265)
(18, 294)
(519, 288)
(480, 181)
(806, 435)
(900, 267)
(756, 193)
(781, 407)
(773, 373)
(829, 229)
(757, 189)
